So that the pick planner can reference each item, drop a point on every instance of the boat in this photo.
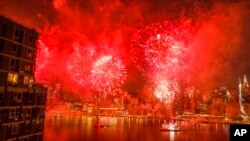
(170, 127)
(100, 126)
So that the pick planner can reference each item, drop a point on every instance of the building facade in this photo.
(22, 103)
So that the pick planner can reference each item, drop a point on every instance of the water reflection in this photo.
(76, 128)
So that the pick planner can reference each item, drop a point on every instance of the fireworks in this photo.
(79, 65)
(42, 60)
(91, 67)
(165, 91)
(107, 73)
(161, 54)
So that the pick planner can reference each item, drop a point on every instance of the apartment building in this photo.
(22, 102)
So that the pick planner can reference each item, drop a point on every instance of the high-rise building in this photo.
(244, 96)
(22, 103)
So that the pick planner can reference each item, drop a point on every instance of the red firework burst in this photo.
(160, 52)
(159, 47)
(107, 74)
(80, 63)
(91, 67)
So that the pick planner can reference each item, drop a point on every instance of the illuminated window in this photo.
(12, 78)
(26, 80)
(30, 82)
(15, 78)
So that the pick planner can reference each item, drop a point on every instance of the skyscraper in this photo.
(244, 96)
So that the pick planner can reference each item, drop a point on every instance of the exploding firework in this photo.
(79, 64)
(42, 60)
(91, 67)
(160, 52)
(161, 47)
(165, 91)
(107, 74)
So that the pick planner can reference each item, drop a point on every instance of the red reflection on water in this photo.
(77, 127)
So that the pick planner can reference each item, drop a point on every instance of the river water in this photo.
(81, 128)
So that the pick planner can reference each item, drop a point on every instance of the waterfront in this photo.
(81, 128)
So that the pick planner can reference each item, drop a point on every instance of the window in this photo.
(14, 96)
(14, 129)
(14, 49)
(30, 82)
(27, 67)
(2, 44)
(24, 139)
(29, 53)
(1, 115)
(1, 58)
(12, 62)
(41, 111)
(40, 124)
(4, 29)
(17, 34)
(28, 112)
(12, 78)
(12, 114)
(26, 80)
(31, 39)
(17, 97)
(1, 97)
(27, 125)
